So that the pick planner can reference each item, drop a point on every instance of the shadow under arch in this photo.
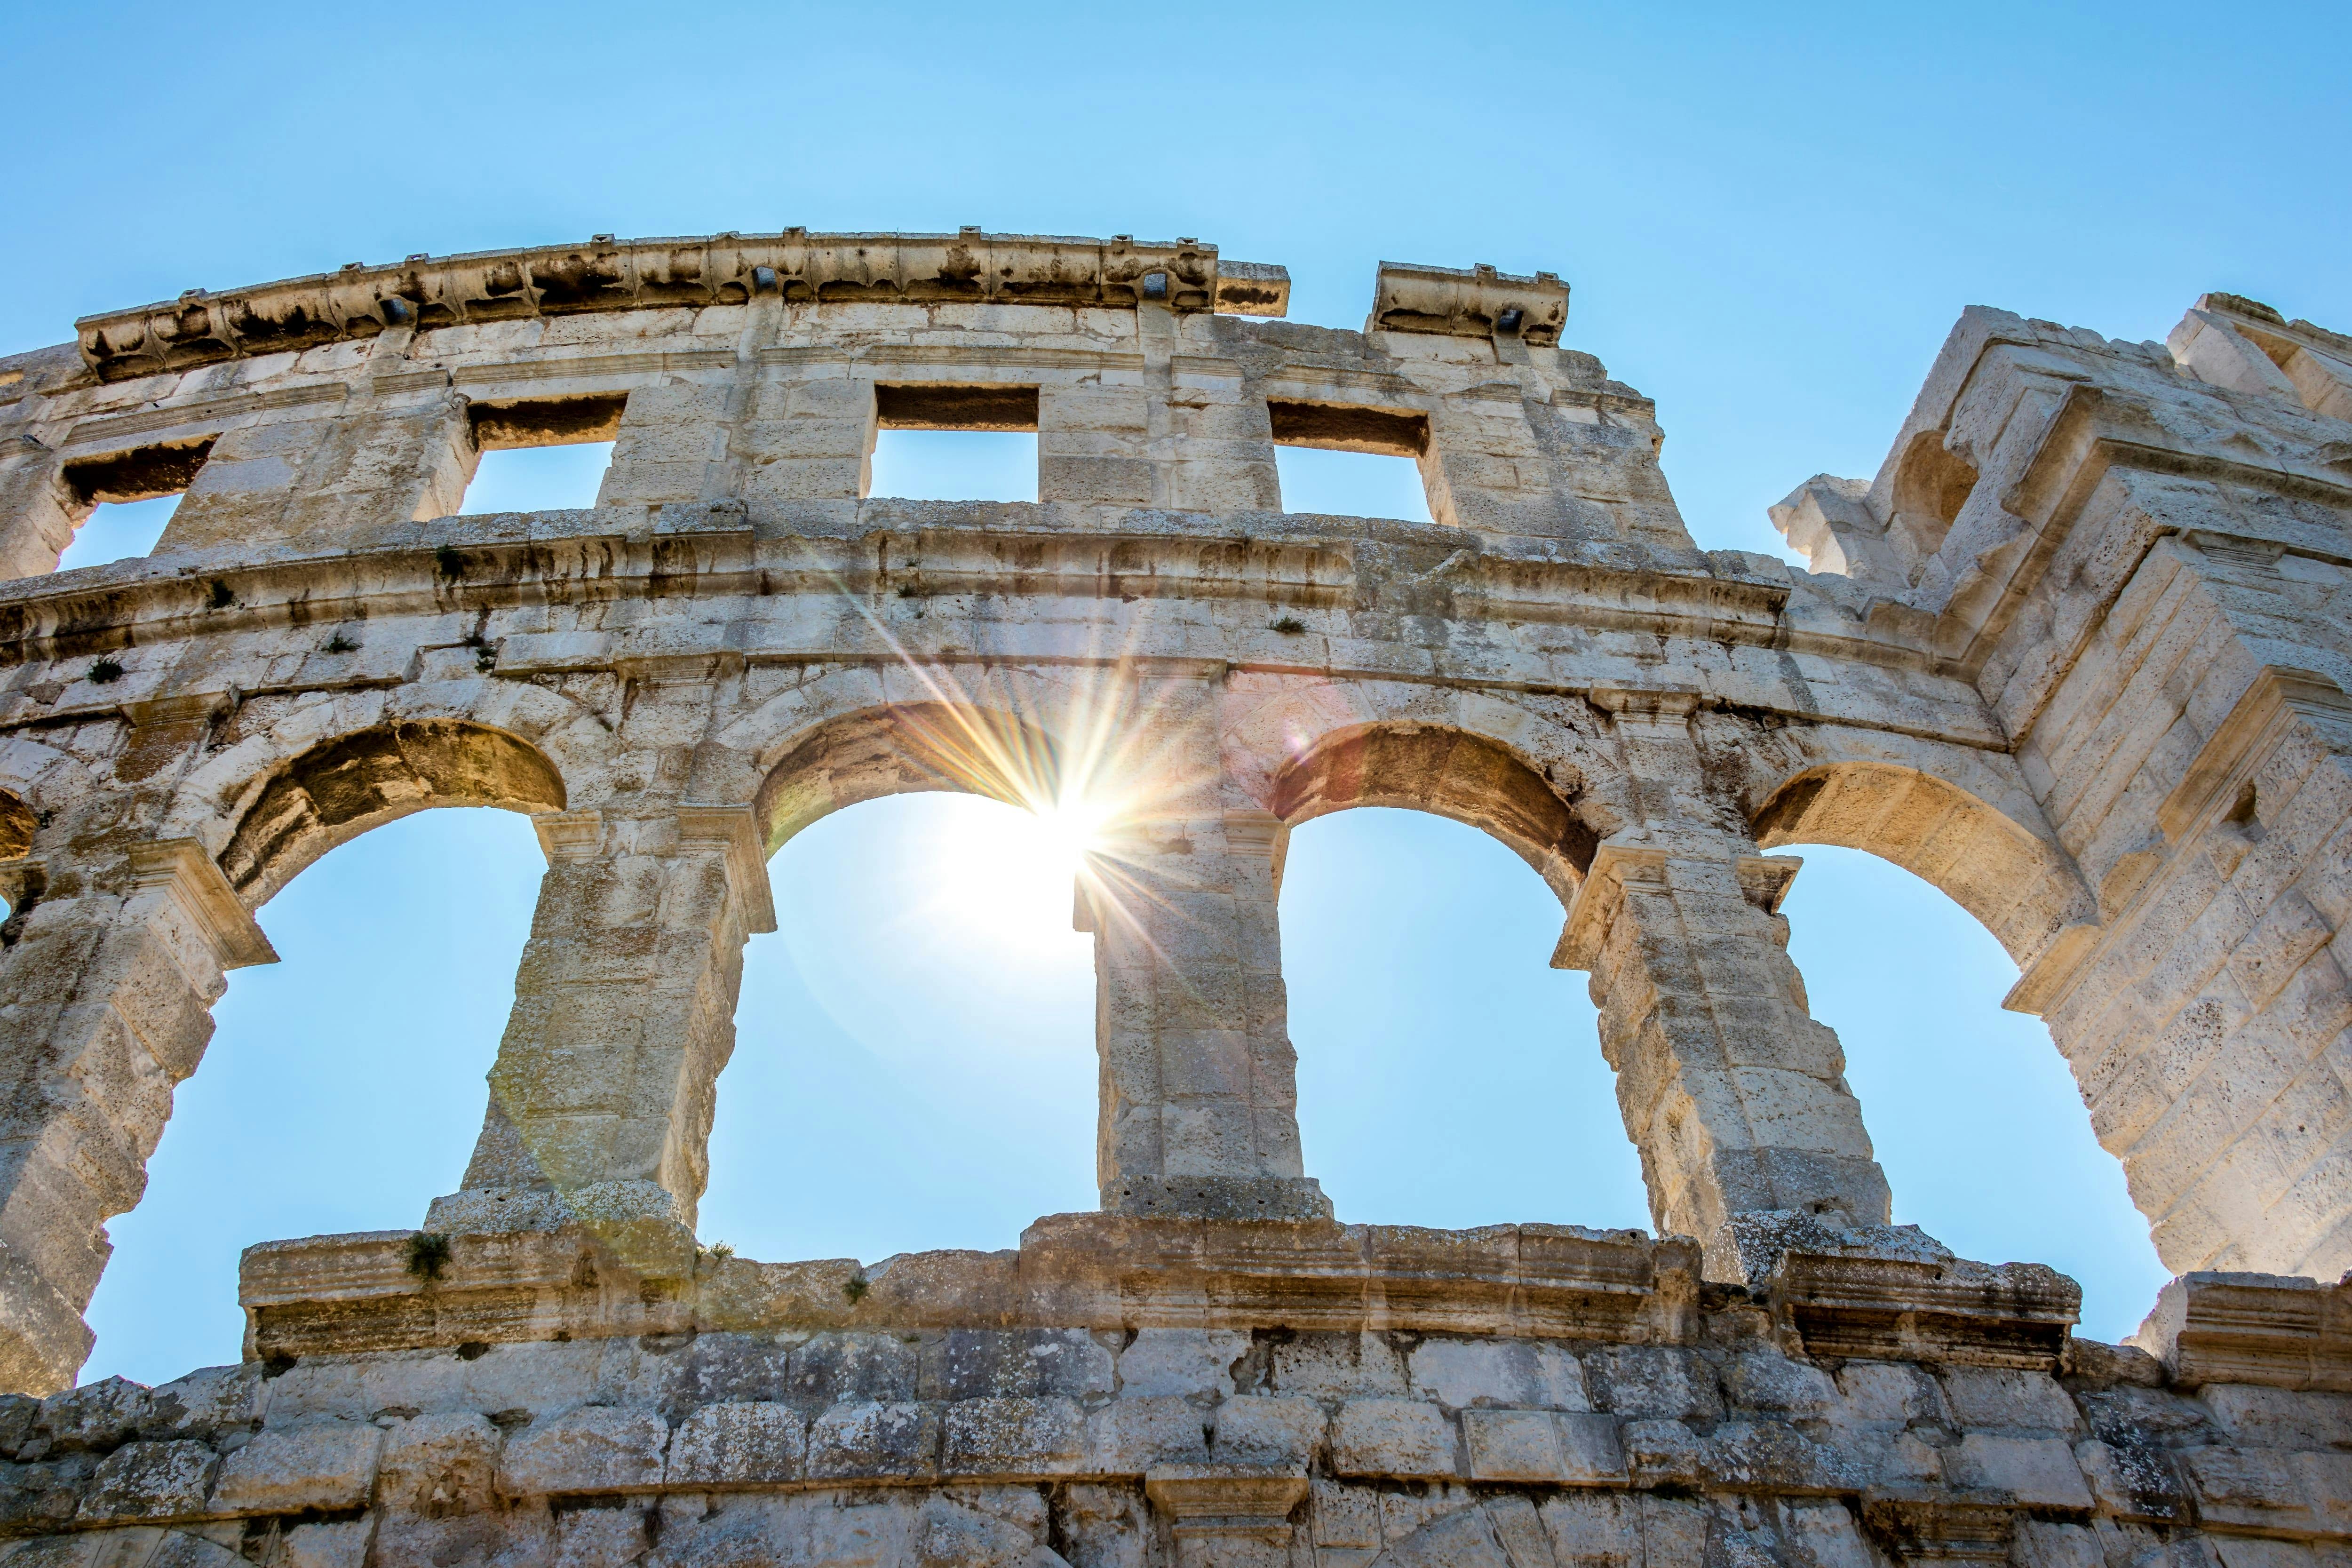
(342, 787)
(907, 749)
(17, 822)
(2021, 888)
(1448, 772)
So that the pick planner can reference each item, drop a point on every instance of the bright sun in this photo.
(1006, 875)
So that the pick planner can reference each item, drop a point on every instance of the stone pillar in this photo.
(1735, 1096)
(672, 446)
(625, 1013)
(397, 451)
(1200, 1097)
(1486, 470)
(107, 974)
(806, 435)
(1211, 439)
(1094, 442)
(35, 524)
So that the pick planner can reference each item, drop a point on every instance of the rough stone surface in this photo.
(2078, 655)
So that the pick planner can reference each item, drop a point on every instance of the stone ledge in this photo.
(2278, 1331)
(1880, 1307)
(352, 1294)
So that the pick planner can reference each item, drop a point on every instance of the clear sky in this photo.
(1769, 219)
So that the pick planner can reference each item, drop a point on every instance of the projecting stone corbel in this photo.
(735, 829)
(190, 876)
(1598, 898)
(1224, 1514)
(1764, 879)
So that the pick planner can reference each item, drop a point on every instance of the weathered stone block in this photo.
(326, 1464)
(1180, 1360)
(151, 1481)
(2038, 1471)
(1012, 1437)
(738, 1444)
(440, 1465)
(1462, 1373)
(592, 1448)
(1135, 1432)
(1404, 1437)
(874, 1439)
(338, 1543)
(1261, 1430)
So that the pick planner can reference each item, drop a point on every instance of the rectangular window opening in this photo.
(955, 442)
(1351, 461)
(542, 455)
(129, 497)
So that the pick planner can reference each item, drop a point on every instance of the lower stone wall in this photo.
(1724, 1436)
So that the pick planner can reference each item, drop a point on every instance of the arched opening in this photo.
(2022, 889)
(1451, 772)
(18, 823)
(1917, 903)
(341, 1087)
(1932, 482)
(908, 749)
(1973, 1113)
(914, 1061)
(1448, 1076)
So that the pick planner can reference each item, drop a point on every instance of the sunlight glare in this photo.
(1008, 876)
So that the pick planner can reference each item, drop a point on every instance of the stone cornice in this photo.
(424, 291)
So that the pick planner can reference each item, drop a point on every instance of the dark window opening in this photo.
(546, 422)
(126, 499)
(147, 473)
(1385, 432)
(547, 454)
(956, 407)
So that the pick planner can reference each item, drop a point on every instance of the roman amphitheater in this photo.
(2077, 655)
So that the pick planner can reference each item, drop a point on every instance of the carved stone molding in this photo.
(2279, 1332)
(1214, 1504)
(733, 830)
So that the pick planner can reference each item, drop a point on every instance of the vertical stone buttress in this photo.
(1198, 1106)
(2172, 672)
(1735, 1096)
(111, 965)
(2206, 776)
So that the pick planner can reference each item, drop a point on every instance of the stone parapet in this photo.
(330, 1295)
(933, 1437)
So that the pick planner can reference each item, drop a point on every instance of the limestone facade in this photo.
(2078, 656)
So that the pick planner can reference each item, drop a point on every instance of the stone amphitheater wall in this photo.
(2077, 655)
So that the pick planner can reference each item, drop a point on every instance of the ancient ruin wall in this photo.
(2077, 655)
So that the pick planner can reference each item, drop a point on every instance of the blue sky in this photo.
(1769, 219)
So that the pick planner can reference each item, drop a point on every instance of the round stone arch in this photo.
(906, 748)
(34, 780)
(1448, 772)
(342, 786)
(39, 777)
(2021, 885)
(376, 756)
(1532, 771)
